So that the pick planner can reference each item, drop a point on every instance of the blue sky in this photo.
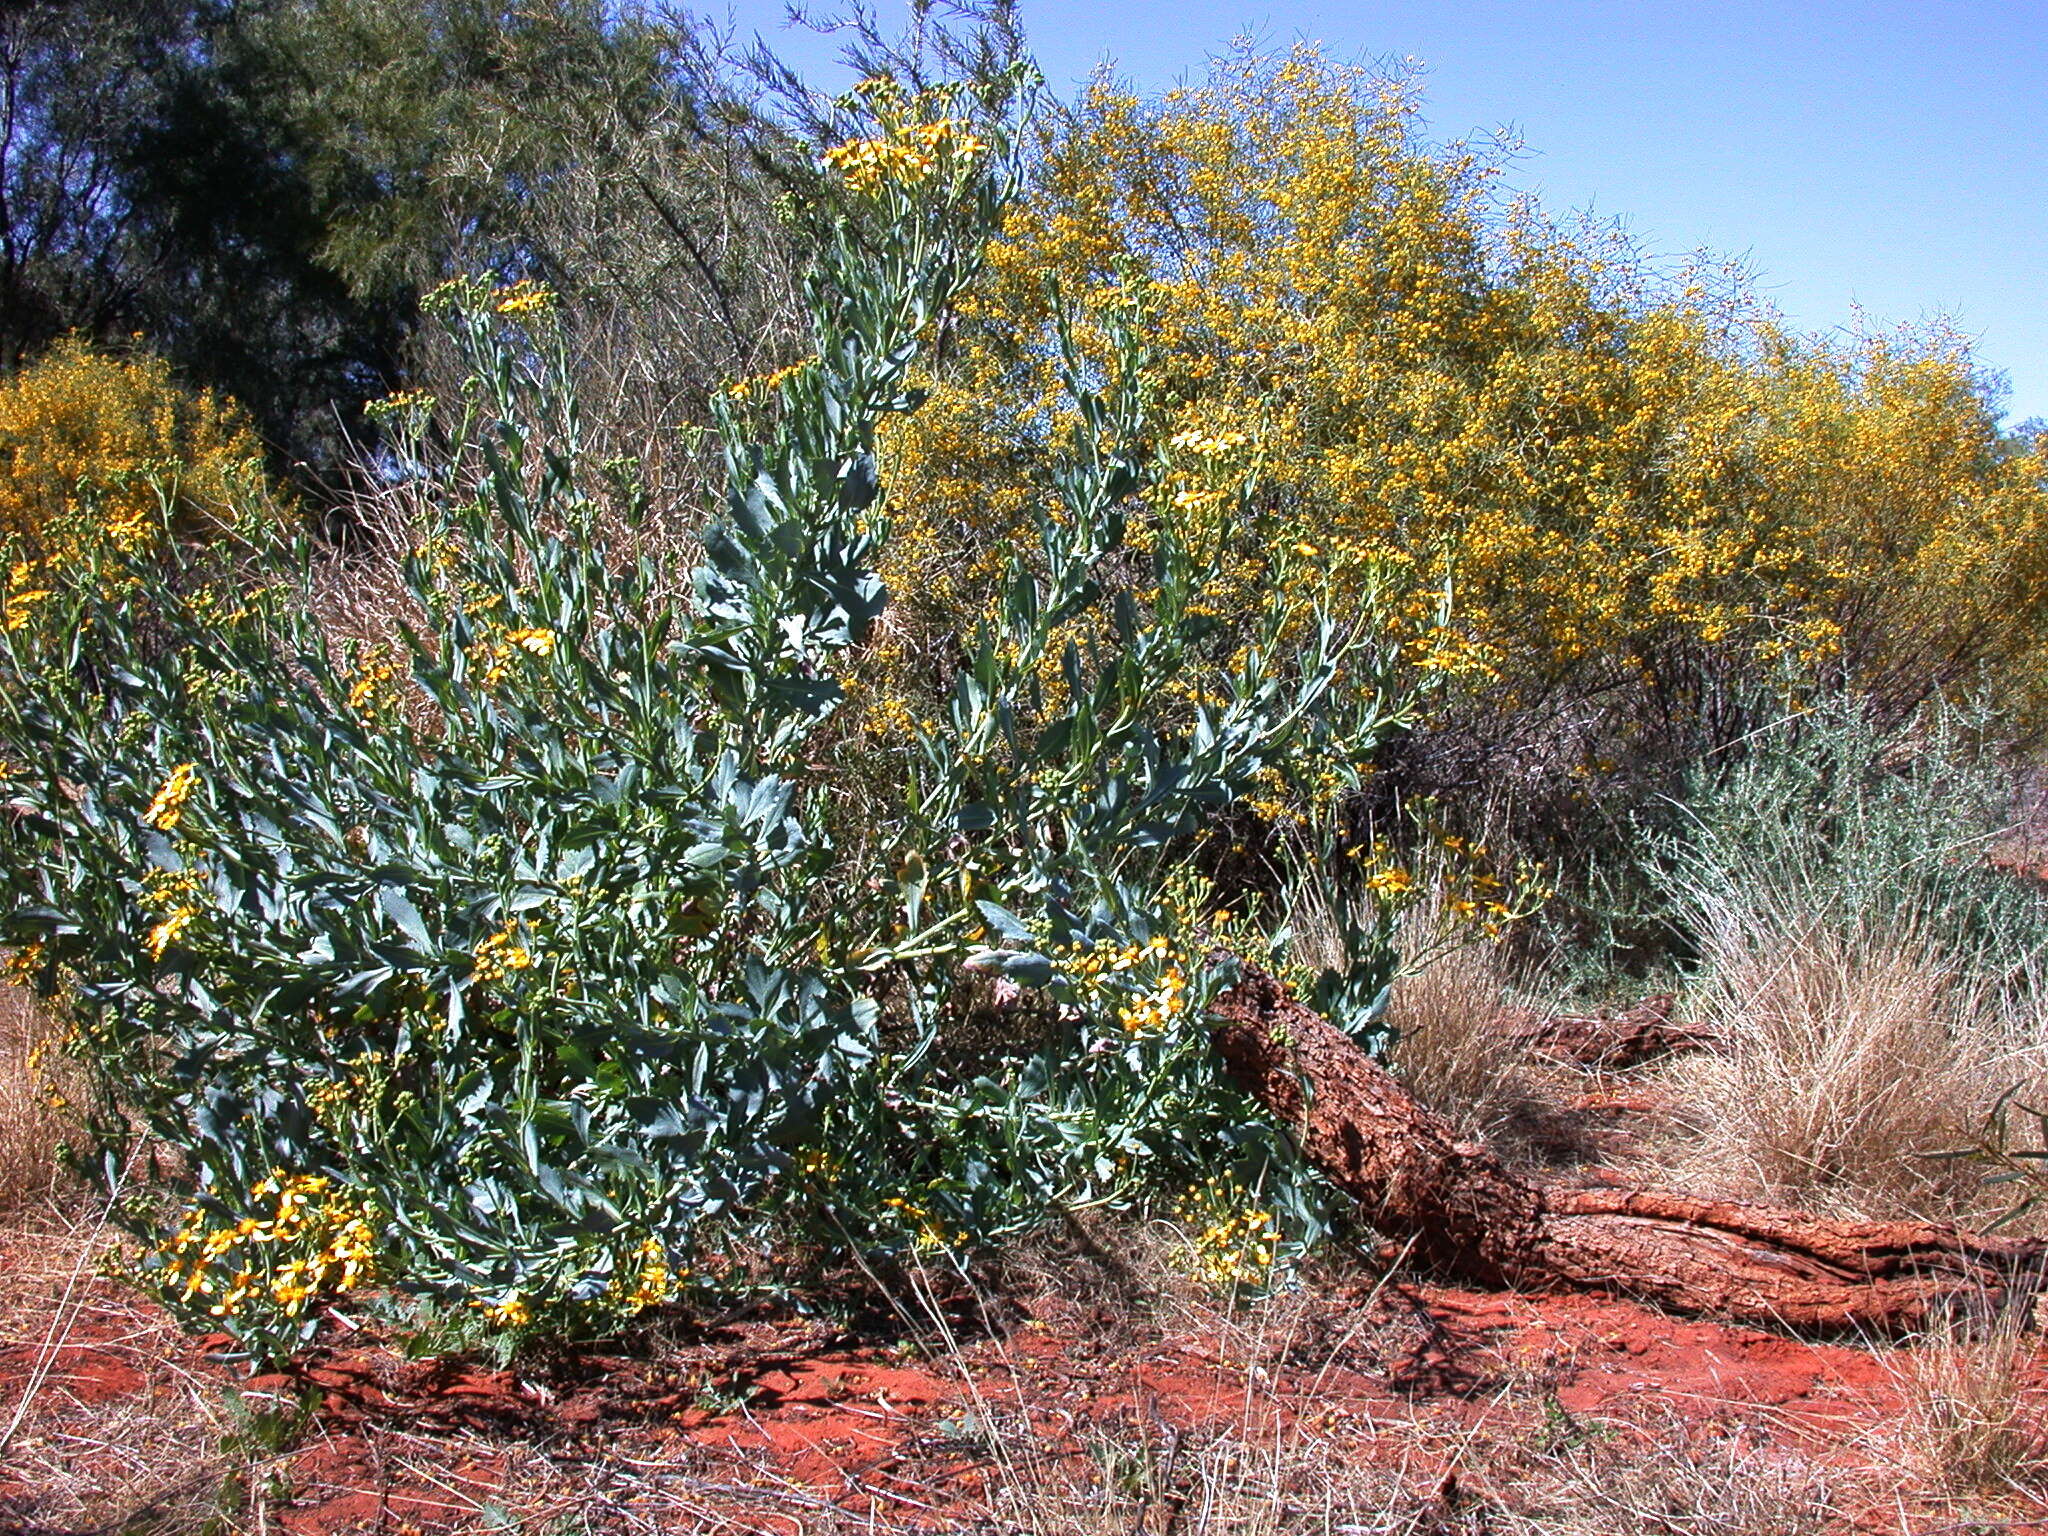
(1891, 158)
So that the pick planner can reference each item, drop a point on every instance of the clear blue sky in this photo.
(1887, 156)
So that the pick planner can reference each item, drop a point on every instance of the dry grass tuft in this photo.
(1667, 1478)
(34, 1125)
(1457, 1049)
(1451, 1047)
(1972, 1415)
(1283, 1477)
(76, 1456)
(1847, 1068)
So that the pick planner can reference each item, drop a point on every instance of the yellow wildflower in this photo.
(500, 954)
(167, 932)
(512, 1310)
(525, 298)
(535, 642)
(168, 805)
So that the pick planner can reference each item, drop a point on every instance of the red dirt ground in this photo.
(798, 1415)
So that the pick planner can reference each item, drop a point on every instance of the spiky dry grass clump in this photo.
(1847, 1071)
(1460, 1046)
(1877, 986)
(35, 1124)
(1453, 1047)
(1973, 1413)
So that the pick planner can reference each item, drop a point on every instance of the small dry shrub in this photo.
(34, 1123)
(1847, 1070)
(1452, 1049)
(1972, 1416)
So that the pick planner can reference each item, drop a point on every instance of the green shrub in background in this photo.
(558, 963)
(1828, 824)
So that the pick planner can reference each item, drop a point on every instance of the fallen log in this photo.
(1611, 1040)
(1464, 1213)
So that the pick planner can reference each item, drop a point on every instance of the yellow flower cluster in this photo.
(96, 447)
(500, 954)
(170, 894)
(1209, 445)
(928, 1233)
(405, 404)
(40, 1047)
(763, 385)
(374, 688)
(1390, 882)
(525, 298)
(652, 1283)
(909, 156)
(316, 1243)
(1109, 969)
(1477, 893)
(1234, 1243)
(327, 1098)
(510, 1311)
(24, 593)
(21, 965)
(167, 806)
(496, 651)
(1273, 800)
(817, 1166)
(1154, 1012)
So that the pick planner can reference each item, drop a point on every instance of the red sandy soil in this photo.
(777, 1415)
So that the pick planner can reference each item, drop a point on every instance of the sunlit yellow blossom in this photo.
(21, 606)
(512, 1311)
(315, 1241)
(526, 298)
(763, 385)
(500, 954)
(1233, 1241)
(168, 804)
(1389, 882)
(495, 651)
(867, 165)
(166, 933)
(651, 1280)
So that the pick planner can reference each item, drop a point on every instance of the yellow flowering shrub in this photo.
(1440, 388)
(314, 1243)
(96, 446)
(1234, 1243)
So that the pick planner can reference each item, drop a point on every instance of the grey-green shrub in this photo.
(1874, 983)
(534, 968)
(1863, 832)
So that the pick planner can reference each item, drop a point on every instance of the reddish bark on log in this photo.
(1641, 1034)
(1463, 1212)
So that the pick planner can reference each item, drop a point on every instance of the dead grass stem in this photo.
(1848, 1067)
(34, 1123)
(1973, 1415)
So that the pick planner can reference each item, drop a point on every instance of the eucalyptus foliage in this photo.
(533, 965)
